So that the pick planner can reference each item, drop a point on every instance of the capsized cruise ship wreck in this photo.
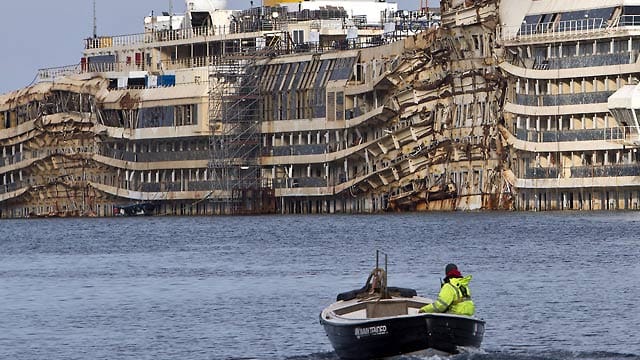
(335, 106)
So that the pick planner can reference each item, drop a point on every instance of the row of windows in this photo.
(53, 103)
(566, 122)
(596, 47)
(160, 146)
(300, 104)
(159, 116)
(572, 86)
(64, 102)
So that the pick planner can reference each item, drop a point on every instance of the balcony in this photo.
(569, 29)
(574, 62)
(299, 182)
(294, 150)
(50, 74)
(191, 155)
(588, 171)
(599, 97)
(608, 134)
(154, 37)
(140, 157)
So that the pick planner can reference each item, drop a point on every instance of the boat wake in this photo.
(475, 354)
(479, 354)
(317, 356)
(550, 355)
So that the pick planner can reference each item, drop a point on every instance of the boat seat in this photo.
(383, 309)
(348, 295)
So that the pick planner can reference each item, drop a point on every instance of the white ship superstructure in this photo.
(571, 112)
(335, 106)
(179, 117)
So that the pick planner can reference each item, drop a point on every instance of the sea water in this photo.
(548, 285)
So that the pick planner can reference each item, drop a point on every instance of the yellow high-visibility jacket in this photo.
(454, 298)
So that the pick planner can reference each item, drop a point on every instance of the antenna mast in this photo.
(95, 21)
(170, 14)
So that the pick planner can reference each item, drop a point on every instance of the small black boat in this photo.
(141, 209)
(377, 321)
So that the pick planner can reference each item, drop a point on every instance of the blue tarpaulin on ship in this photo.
(160, 81)
(166, 80)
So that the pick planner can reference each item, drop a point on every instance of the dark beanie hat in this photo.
(450, 267)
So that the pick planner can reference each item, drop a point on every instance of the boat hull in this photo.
(391, 336)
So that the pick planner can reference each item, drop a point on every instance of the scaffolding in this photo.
(235, 143)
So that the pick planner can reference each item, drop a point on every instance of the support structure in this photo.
(235, 146)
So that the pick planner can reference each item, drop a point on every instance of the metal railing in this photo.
(299, 182)
(597, 97)
(174, 64)
(149, 156)
(295, 150)
(567, 28)
(608, 134)
(52, 73)
(119, 182)
(585, 171)
(156, 36)
(404, 28)
(582, 61)
(629, 20)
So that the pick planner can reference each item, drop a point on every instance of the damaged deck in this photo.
(410, 125)
(431, 120)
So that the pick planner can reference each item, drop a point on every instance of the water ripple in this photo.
(549, 285)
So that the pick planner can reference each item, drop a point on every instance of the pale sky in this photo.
(37, 34)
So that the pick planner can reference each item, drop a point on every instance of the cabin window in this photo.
(200, 19)
(136, 83)
(339, 106)
(620, 45)
(569, 50)
(298, 37)
(160, 116)
(185, 115)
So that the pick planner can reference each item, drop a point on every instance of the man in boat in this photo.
(455, 295)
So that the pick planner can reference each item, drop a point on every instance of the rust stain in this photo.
(129, 102)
